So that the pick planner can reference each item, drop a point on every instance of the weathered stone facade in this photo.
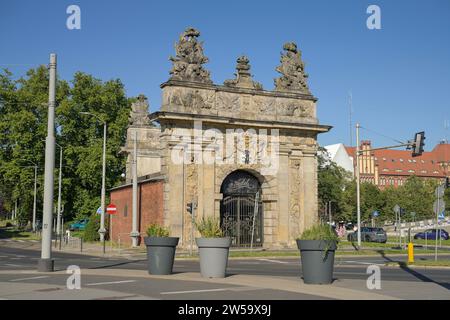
(189, 98)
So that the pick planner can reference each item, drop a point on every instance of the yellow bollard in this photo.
(410, 252)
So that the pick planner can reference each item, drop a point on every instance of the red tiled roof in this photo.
(390, 162)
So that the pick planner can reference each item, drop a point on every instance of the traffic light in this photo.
(418, 144)
(190, 207)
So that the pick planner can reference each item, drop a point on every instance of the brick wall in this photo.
(150, 210)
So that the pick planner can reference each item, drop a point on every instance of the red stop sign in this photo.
(111, 209)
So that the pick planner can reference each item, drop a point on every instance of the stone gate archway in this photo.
(241, 210)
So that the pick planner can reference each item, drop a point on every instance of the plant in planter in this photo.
(317, 247)
(213, 248)
(160, 250)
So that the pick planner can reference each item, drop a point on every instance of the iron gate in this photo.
(240, 220)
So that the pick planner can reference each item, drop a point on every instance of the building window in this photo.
(401, 160)
(125, 210)
(411, 171)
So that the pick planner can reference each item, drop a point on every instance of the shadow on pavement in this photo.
(414, 273)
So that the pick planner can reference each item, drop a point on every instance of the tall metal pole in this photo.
(34, 198)
(102, 230)
(358, 197)
(58, 217)
(134, 232)
(46, 264)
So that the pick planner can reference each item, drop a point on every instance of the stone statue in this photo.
(243, 76)
(187, 65)
(292, 69)
(139, 112)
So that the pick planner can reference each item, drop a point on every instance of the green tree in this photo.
(23, 128)
(332, 181)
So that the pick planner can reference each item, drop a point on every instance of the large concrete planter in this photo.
(160, 254)
(213, 256)
(317, 266)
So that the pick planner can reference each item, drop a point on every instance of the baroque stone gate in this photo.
(206, 132)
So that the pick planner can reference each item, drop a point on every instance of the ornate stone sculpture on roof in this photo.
(139, 112)
(187, 64)
(292, 69)
(243, 76)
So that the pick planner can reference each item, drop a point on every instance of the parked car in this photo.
(369, 234)
(79, 225)
(432, 234)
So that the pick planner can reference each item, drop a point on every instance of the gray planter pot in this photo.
(160, 254)
(213, 256)
(317, 267)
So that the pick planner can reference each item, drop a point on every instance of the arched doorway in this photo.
(241, 211)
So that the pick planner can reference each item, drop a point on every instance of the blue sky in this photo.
(399, 76)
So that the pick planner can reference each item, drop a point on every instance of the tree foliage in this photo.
(23, 129)
(416, 195)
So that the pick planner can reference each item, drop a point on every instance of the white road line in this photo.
(32, 278)
(274, 261)
(196, 291)
(365, 263)
(13, 265)
(112, 282)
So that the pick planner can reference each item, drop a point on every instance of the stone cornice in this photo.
(215, 87)
(166, 115)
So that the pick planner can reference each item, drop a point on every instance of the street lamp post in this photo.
(46, 263)
(358, 197)
(102, 229)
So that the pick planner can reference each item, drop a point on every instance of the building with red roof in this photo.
(392, 167)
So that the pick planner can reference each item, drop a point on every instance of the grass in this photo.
(420, 241)
(15, 234)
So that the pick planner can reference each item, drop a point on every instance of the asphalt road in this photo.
(13, 258)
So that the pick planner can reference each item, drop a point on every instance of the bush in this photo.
(91, 231)
(155, 230)
(209, 227)
(319, 232)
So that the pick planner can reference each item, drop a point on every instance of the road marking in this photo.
(274, 261)
(32, 278)
(196, 291)
(13, 265)
(112, 282)
(366, 263)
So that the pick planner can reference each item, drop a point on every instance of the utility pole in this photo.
(350, 117)
(58, 217)
(34, 198)
(358, 200)
(46, 263)
(102, 229)
(416, 145)
(134, 232)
